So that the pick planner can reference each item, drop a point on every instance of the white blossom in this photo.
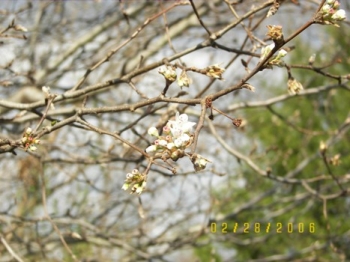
(266, 50)
(185, 138)
(151, 149)
(153, 131)
(180, 125)
(141, 187)
(170, 146)
(339, 15)
(162, 142)
(126, 186)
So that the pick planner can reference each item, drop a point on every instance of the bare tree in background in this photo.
(227, 121)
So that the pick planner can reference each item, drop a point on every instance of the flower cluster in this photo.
(29, 141)
(215, 71)
(275, 59)
(171, 144)
(331, 13)
(135, 180)
(294, 86)
(176, 137)
(169, 73)
(199, 162)
(275, 33)
(46, 90)
(184, 80)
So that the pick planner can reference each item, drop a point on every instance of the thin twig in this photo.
(199, 125)
(9, 249)
(49, 102)
(101, 131)
(43, 194)
(325, 161)
(199, 18)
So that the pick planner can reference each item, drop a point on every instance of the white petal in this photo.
(151, 149)
(183, 118)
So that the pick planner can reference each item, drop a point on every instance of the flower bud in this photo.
(266, 50)
(215, 71)
(249, 87)
(312, 59)
(126, 186)
(335, 160)
(340, 15)
(169, 73)
(178, 142)
(275, 32)
(140, 187)
(281, 53)
(152, 131)
(184, 80)
(323, 147)
(170, 146)
(20, 28)
(336, 5)
(166, 130)
(294, 87)
(75, 235)
(176, 155)
(46, 91)
(185, 138)
(326, 9)
(183, 118)
(199, 162)
(162, 142)
(151, 149)
(32, 148)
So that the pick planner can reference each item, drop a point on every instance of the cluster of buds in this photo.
(184, 80)
(135, 180)
(29, 141)
(199, 162)
(275, 33)
(46, 90)
(49, 96)
(294, 86)
(330, 13)
(323, 147)
(276, 59)
(215, 71)
(169, 73)
(176, 137)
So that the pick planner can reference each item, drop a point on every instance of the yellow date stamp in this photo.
(257, 227)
